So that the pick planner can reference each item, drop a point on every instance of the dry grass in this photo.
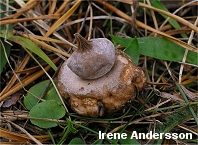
(51, 25)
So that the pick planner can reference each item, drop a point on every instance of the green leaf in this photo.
(51, 108)
(35, 92)
(76, 141)
(51, 94)
(129, 141)
(48, 109)
(160, 48)
(159, 5)
(122, 41)
(133, 50)
(29, 45)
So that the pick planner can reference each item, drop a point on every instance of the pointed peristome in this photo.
(82, 43)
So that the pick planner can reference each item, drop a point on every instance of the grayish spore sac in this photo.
(94, 62)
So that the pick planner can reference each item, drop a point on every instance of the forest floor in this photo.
(38, 36)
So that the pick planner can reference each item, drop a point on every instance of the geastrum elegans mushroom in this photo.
(98, 78)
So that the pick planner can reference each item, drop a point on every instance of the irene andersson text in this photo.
(149, 135)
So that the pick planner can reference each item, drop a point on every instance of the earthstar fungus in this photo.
(97, 78)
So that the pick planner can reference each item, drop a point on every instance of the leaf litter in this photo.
(171, 109)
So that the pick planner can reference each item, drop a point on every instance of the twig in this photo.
(24, 131)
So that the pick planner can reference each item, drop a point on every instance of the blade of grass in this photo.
(69, 129)
(29, 45)
(99, 141)
(170, 107)
(176, 118)
(51, 136)
(186, 100)
(3, 60)
(101, 119)
(93, 131)
(159, 5)
(106, 21)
